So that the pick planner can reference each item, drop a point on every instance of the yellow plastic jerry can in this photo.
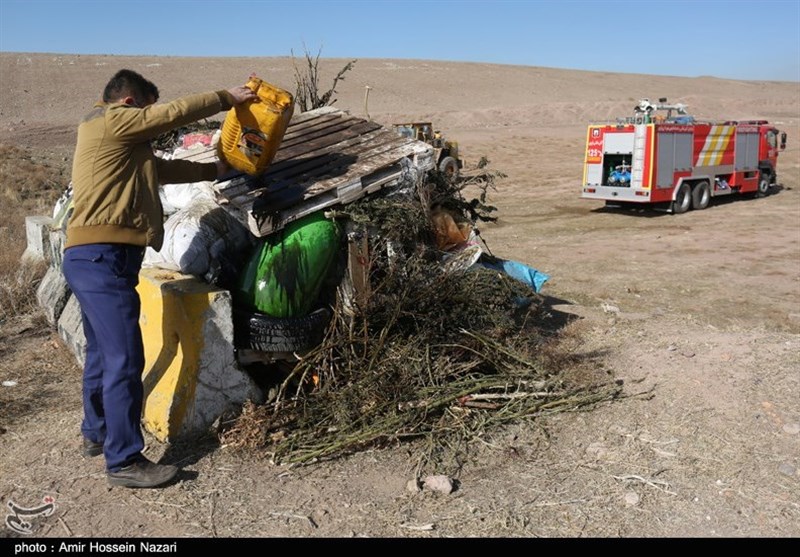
(253, 131)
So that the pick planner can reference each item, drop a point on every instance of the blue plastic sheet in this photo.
(519, 271)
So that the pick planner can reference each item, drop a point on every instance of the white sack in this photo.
(201, 239)
(175, 197)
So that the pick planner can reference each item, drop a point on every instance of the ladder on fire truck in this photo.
(637, 164)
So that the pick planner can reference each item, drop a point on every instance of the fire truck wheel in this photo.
(683, 199)
(763, 185)
(701, 195)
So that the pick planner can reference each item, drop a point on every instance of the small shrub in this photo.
(307, 94)
(28, 186)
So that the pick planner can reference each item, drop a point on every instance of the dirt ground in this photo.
(698, 313)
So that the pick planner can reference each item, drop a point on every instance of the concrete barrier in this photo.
(37, 234)
(191, 374)
(70, 329)
(53, 293)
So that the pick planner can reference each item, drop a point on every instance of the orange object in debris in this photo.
(253, 131)
(449, 233)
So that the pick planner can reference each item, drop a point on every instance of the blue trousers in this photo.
(104, 277)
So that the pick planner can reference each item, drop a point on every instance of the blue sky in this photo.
(739, 39)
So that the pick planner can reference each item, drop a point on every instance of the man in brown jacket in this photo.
(117, 214)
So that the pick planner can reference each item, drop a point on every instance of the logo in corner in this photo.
(17, 519)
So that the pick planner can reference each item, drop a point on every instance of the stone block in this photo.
(53, 293)
(37, 233)
(58, 238)
(70, 329)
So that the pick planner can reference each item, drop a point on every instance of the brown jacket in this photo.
(115, 174)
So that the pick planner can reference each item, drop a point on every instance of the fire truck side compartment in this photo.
(673, 154)
(746, 151)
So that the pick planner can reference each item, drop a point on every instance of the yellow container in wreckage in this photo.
(253, 131)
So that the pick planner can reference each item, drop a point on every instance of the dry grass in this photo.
(28, 182)
(18, 284)
(28, 186)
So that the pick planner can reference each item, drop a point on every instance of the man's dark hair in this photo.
(128, 83)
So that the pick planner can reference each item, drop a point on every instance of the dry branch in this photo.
(431, 355)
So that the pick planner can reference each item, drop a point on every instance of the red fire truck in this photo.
(675, 163)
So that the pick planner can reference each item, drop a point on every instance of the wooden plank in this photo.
(363, 167)
(320, 164)
(314, 126)
(199, 154)
(374, 164)
(324, 138)
(268, 220)
(344, 147)
(326, 158)
(267, 217)
(300, 117)
(299, 169)
(299, 129)
(230, 189)
(358, 267)
(330, 161)
(303, 156)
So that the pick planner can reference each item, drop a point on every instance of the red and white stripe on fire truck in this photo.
(717, 146)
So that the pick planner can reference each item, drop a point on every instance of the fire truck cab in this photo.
(676, 163)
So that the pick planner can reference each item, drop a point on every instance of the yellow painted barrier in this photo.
(190, 374)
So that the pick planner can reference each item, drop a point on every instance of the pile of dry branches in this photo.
(431, 354)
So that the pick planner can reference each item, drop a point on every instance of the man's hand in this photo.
(242, 94)
(223, 168)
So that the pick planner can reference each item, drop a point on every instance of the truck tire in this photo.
(257, 331)
(763, 185)
(449, 167)
(683, 199)
(701, 195)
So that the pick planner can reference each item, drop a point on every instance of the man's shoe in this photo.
(143, 473)
(90, 448)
